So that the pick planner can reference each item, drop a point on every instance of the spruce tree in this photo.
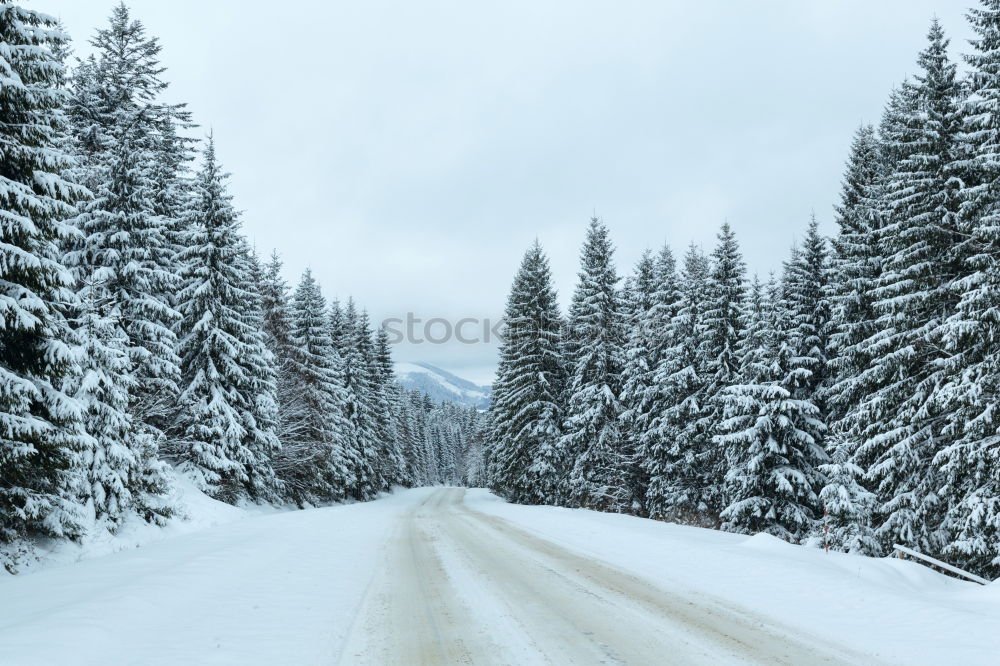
(916, 294)
(224, 367)
(857, 266)
(525, 407)
(970, 462)
(592, 434)
(773, 478)
(677, 441)
(723, 330)
(353, 341)
(388, 404)
(650, 312)
(315, 465)
(261, 420)
(120, 471)
(807, 292)
(41, 432)
(118, 125)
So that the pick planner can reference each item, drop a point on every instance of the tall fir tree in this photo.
(224, 364)
(723, 330)
(118, 121)
(121, 473)
(592, 431)
(260, 392)
(388, 403)
(41, 431)
(526, 411)
(970, 462)
(807, 294)
(321, 468)
(650, 313)
(915, 292)
(353, 342)
(678, 437)
(857, 266)
(773, 479)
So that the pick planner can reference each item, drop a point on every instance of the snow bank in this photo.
(266, 589)
(195, 511)
(898, 610)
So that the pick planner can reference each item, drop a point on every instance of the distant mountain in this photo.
(441, 385)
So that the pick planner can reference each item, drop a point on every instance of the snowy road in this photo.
(463, 587)
(453, 576)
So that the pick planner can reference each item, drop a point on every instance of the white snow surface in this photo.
(237, 586)
(898, 611)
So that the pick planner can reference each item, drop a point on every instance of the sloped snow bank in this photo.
(194, 511)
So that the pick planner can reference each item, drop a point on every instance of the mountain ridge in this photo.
(441, 385)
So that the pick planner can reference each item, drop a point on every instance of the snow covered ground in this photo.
(439, 575)
(897, 611)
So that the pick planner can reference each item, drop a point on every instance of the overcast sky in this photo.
(409, 152)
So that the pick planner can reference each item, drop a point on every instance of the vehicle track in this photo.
(462, 587)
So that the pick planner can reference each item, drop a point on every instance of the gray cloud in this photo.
(409, 152)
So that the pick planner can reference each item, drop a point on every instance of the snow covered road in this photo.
(454, 576)
(463, 587)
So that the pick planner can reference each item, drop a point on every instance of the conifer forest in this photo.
(178, 412)
(855, 386)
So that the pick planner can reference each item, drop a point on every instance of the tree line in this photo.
(856, 389)
(141, 334)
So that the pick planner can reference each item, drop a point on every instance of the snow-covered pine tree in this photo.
(526, 414)
(592, 432)
(970, 463)
(857, 268)
(125, 74)
(225, 366)
(261, 391)
(123, 245)
(319, 470)
(807, 291)
(274, 302)
(388, 405)
(352, 338)
(372, 454)
(772, 480)
(678, 439)
(922, 243)
(40, 422)
(858, 263)
(650, 312)
(847, 504)
(726, 293)
(291, 422)
(117, 124)
(754, 369)
(637, 299)
(120, 471)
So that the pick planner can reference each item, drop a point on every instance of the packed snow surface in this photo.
(437, 575)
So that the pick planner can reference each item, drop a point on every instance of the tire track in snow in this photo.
(462, 587)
